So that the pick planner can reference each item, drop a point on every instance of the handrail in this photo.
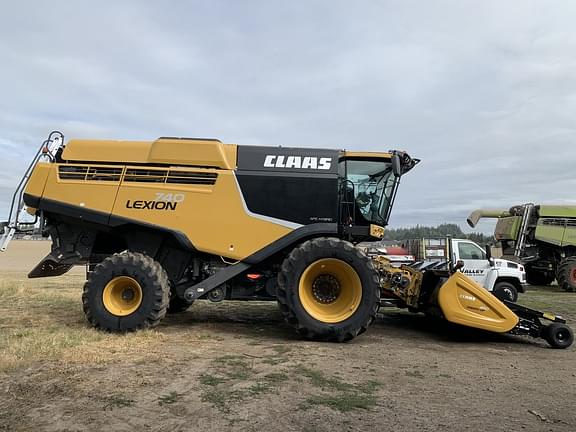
(17, 203)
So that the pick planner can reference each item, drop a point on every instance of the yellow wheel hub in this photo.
(122, 296)
(330, 290)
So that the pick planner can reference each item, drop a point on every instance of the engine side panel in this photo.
(212, 216)
(205, 205)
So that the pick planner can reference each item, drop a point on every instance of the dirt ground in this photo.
(237, 366)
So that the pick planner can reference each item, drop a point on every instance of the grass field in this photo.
(237, 366)
(42, 320)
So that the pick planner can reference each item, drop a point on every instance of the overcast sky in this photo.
(484, 92)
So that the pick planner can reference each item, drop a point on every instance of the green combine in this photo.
(543, 238)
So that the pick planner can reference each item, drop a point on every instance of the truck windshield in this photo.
(373, 183)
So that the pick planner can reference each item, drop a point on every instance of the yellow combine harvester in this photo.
(162, 223)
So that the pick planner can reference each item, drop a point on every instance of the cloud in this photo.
(483, 92)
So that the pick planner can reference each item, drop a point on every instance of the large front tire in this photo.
(566, 275)
(328, 290)
(125, 292)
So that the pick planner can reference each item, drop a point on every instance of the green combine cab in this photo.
(543, 238)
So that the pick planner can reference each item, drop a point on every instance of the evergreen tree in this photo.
(439, 231)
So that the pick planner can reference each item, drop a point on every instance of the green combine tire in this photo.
(567, 274)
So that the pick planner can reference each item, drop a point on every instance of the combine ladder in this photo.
(48, 150)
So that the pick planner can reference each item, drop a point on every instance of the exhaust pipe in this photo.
(476, 215)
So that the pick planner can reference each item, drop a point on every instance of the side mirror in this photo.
(396, 165)
(489, 255)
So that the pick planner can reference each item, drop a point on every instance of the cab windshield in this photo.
(373, 184)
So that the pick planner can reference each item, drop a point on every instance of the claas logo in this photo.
(298, 162)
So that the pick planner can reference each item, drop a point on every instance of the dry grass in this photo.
(551, 299)
(42, 319)
(237, 366)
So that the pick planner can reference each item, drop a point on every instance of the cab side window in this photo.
(470, 251)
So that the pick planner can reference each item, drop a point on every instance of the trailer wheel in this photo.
(505, 291)
(126, 291)
(558, 335)
(328, 290)
(567, 274)
(178, 305)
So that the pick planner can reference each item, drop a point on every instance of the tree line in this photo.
(439, 231)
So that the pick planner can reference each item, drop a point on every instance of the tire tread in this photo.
(306, 251)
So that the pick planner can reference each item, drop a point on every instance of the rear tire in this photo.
(505, 291)
(328, 290)
(559, 336)
(125, 292)
(567, 274)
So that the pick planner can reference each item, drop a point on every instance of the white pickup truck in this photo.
(505, 279)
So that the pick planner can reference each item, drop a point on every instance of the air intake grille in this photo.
(559, 222)
(83, 172)
(135, 175)
(188, 177)
(145, 176)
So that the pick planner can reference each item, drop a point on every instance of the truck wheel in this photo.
(567, 274)
(177, 304)
(541, 278)
(558, 335)
(505, 291)
(127, 291)
(328, 290)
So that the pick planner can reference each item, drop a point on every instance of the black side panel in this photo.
(183, 240)
(299, 198)
(101, 218)
(73, 211)
(293, 184)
